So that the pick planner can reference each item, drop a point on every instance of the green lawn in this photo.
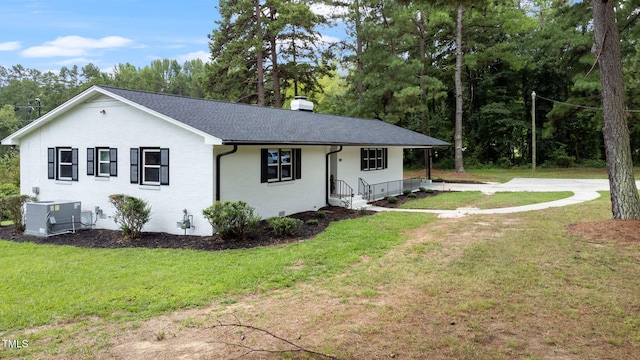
(509, 286)
(42, 284)
(476, 199)
(504, 175)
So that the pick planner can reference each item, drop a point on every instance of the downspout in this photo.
(235, 148)
(326, 188)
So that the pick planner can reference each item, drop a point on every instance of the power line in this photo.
(580, 106)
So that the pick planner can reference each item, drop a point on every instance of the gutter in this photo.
(326, 188)
(235, 148)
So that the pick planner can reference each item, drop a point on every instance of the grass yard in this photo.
(476, 199)
(504, 175)
(44, 284)
(560, 283)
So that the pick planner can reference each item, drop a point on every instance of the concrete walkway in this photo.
(583, 190)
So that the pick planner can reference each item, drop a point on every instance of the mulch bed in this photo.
(401, 199)
(111, 239)
(102, 238)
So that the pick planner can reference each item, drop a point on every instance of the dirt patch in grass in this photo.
(102, 238)
(619, 231)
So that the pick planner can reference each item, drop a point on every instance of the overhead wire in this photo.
(579, 106)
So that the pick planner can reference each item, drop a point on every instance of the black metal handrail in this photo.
(373, 192)
(344, 192)
(364, 189)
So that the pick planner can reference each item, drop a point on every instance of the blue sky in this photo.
(49, 34)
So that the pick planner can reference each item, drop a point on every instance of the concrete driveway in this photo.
(583, 190)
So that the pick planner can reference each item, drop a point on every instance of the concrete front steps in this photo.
(357, 202)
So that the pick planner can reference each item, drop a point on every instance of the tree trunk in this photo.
(358, 25)
(277, 97)
(625, 202)
(458, 80)
(260, 54)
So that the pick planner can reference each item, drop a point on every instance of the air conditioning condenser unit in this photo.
(46, 218)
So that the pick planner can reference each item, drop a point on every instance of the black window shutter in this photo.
(51, 163)
(113, 162)
(384, 158)
(74, 164)
(263, 165)
(90, 162)
(164, 166)
(134, 165)
(363, 158)
(297, 163)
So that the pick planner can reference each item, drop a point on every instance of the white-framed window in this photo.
(150, 166)
(62, 163)
(102, 161)
(65, 164)
(280, 164)
(373, 159)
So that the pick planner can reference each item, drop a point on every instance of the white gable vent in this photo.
(300, 103)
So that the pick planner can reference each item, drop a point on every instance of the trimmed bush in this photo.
(312, 222)
(12, 207)
(320, 214)
(412, 195)
(284, 226)
(392, 199)
(131, 214)
(406, 192)
(232, 220)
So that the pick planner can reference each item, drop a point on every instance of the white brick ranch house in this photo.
(180, 153)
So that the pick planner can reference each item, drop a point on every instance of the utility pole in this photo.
(29, 108)
(533, 133)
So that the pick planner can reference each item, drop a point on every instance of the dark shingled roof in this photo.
(249, 124)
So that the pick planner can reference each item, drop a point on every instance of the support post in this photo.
(533, 133)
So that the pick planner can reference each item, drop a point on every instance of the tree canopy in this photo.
(396, 62)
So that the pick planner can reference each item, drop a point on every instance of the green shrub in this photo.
(429, 191)
(423, 189)
(559, 158)
(406, 192)
(12, 207)
(412, 195)
(7, 190)
(131, 214)
(392, 199)
(284, 226)
(232, 220)
(320, 214)
(504, 163)
(312, 222)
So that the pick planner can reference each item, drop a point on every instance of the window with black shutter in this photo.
(62, 163)
(277, 165)
(149, 166)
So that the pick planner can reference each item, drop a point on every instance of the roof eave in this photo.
(313, 143)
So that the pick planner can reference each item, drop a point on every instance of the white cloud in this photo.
(75, 46)
(10, 46)
(328, 10)
(202, 55)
